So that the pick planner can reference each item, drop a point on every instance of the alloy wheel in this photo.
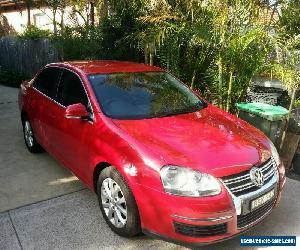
(114, 203)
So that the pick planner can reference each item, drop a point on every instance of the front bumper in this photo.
(190, 221)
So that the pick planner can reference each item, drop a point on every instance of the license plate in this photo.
(262, 199)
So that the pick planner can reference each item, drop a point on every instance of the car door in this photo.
(43, 93)
(71, 136)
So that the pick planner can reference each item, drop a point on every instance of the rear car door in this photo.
(71, 137)
(43, 93)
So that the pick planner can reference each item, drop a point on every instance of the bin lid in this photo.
(267, 111)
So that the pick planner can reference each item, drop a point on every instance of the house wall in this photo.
(42, 18)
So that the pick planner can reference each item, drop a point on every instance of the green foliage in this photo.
(286, 66)
(80, 43)
(290, 17)
(11, 78)
(297, 103)
(32, 32)
(115, 44)
(218, 43)
(108, 40)
(216, 46)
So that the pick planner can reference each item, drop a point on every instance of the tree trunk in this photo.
(220, 69)
(28, 14)
(151, 58)
(62, 21)
(288, 118)
(193, 79)
(228, 104)
(146, 54)
(220, 79)
(103, 13)
(92, 13)
(54, 21)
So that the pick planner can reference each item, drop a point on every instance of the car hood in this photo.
(209, 140)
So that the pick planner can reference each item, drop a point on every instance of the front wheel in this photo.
(117, 203)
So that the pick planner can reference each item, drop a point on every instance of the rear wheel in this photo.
(117, 203)
(32, 145)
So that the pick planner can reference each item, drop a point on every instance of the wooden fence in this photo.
(26, 56)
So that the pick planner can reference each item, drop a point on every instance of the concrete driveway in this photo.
(43, 206)
(26, 178)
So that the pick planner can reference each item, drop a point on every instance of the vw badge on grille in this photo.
(257, 177)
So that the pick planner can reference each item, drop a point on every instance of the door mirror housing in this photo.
(76, 111)
(24, 85)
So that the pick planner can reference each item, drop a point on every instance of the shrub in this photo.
(32, 32)
(11, 78)
(105, 41)
(79, 43)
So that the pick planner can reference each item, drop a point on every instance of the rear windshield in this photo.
(142, 95)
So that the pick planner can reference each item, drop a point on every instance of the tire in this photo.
(32, 145)
(126, 226)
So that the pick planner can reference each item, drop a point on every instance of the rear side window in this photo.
(47, 81)
(71, 90)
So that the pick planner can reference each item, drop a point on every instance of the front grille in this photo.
(259, 213)
(200, 231)
(241, 183)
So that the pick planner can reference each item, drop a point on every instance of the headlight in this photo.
(187, 182)
(275, 153)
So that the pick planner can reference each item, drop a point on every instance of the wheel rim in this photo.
(28, 134)
(113, 202)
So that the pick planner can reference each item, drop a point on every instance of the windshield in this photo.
(142, 95)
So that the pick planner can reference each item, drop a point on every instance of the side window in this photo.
(47, 81)
(71, 90)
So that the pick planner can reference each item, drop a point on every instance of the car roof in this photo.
(107, 66)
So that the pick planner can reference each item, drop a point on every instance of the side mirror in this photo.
(76, 111)
(24, 85)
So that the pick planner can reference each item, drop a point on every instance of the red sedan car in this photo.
(160, 158)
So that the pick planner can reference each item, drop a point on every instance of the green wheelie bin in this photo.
(270, 119)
